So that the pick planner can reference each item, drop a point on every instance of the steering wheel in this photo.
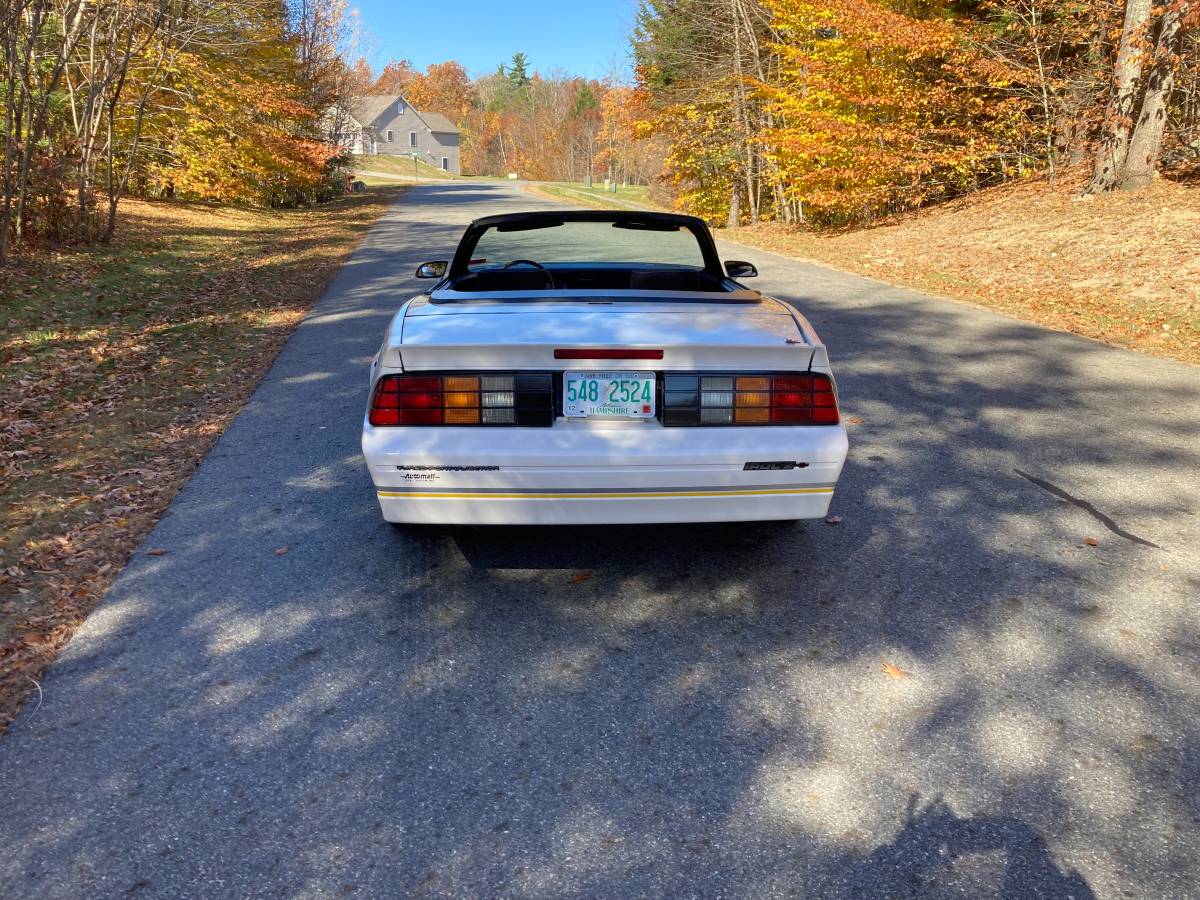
(535, 264)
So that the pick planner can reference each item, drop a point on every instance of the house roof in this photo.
(438, 122)
(369, 107)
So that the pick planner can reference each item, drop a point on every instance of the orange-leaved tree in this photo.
(443, 88)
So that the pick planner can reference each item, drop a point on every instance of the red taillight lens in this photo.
(789, 398)
(408, 383)
(803, 399)
(798, 416)
(802, 383)
(406, 400)
(420, 400)
(420, 417)
(384, 417)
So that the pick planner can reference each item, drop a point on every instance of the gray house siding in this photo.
(445, 149)
(393, 128)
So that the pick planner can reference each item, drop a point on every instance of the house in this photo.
(388, 125)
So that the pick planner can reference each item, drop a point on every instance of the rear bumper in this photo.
(580, 473)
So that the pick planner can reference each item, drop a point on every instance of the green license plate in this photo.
(608, 395)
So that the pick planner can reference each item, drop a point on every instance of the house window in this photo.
(389, 136)
(445, 164)
(400, 108)
(412, 139)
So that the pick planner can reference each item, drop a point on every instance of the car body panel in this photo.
(525, 335)
(603, 472)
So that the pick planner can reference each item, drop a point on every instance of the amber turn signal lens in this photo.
(752, 415)
(753, 383)
(460, 383)
(460, 399)
(753, 398)
(462, 416)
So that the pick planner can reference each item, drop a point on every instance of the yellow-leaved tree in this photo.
(881, 105)
(242, 131)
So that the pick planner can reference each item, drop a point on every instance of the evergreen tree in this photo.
(518, 73)
(585, 101)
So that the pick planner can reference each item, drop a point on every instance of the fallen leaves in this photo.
(833, 520)
(583, 575)
(991, 248)
(282, 551)
(1091, 541)
(891, 670)
(106, 408)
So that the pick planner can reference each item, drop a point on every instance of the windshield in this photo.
(588, 242)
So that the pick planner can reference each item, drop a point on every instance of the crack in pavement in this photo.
(1088, 508)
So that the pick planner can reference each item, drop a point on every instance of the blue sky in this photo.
(579, 38)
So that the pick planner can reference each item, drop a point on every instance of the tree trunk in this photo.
(735, 209)
(1118, 119)
(1142, 159)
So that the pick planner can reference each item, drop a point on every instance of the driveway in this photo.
(653, 711)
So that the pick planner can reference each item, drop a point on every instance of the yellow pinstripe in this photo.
(468, 495)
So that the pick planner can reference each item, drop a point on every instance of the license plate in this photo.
(609, 395)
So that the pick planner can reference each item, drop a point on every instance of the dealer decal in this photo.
(427, 474)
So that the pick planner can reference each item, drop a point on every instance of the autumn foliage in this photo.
(841, 111)
(546, 127)
(218, 101)
(887, 109)
(239, 135)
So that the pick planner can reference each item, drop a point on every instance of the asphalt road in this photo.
(458, 713)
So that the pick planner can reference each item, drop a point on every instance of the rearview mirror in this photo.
(432, 269)
(737, 268)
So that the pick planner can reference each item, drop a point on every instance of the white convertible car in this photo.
(595, 368)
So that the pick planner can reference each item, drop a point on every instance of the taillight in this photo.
(462, 400)
(802, 399)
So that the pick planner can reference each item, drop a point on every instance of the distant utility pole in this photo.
(413, 154)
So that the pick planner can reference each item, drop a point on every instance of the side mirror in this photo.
(737, 268)
(433, 269)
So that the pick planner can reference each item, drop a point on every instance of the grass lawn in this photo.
(119, 367)
(634, 196)
(402, 167)
(399, 165)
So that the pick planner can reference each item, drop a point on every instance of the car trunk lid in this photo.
(525, 335)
